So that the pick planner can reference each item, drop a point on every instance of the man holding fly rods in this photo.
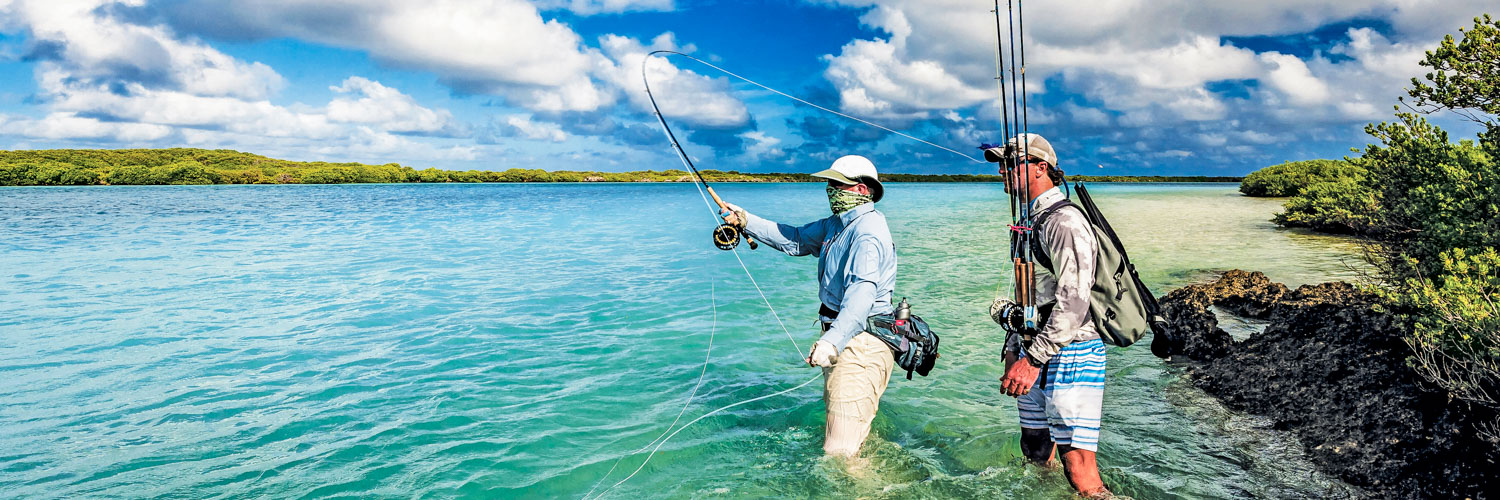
(1056, 369)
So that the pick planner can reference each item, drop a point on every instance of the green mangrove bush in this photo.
(1290, 178)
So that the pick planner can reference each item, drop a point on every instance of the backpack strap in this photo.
(1040, 219)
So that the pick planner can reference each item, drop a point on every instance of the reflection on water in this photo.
(516, 340)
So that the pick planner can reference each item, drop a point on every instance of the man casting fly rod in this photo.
(856, 280)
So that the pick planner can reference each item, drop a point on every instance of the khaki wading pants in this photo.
(851, 392)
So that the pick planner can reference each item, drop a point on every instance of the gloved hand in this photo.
(823, 354)
(734, 215)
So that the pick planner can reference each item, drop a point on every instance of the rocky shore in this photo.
(1331, 367)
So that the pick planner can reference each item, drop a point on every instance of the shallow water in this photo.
(516, 340)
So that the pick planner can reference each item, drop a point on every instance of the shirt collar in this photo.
(1047, 198)
(848, 216)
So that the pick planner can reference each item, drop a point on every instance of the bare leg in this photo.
(1083, 471)
(1037, 445)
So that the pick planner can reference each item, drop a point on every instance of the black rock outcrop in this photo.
(1332, 368)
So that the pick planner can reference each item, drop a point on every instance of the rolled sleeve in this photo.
(791, 240)
(860, 290)
(1072, 248)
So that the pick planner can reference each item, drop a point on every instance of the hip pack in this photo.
(913, 344)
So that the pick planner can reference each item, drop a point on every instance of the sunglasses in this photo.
(1028, 161)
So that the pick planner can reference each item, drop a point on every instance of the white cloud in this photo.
(1291, 76)
(1186, 64)
(1212, 140)
(385, 108)
(762, 146)
(682, 94)
(1256, 137)
(1176, 74)
(102, 79)
(70, 126)
(95, 48)
(590, 7)
(878, 78)
(499, 47)
(1084, 115)
(537, 130)
(379, 108)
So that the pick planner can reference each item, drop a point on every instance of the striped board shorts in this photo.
(1068, 397)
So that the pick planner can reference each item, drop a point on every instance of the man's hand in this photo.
(733, 215)
(823, 354)
(1019, 376)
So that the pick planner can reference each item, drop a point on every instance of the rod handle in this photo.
(723, 206)
(1021, 282)
(720, 202)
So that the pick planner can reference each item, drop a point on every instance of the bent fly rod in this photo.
(726, 236)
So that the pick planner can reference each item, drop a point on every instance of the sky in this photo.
(1120, 87)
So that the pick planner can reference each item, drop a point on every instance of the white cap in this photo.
(853, 169)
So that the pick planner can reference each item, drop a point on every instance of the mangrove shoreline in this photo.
(119, 167)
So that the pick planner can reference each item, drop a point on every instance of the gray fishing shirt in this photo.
(1069, 241)
(856, 263)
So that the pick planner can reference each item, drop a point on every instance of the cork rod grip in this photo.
(720, 202)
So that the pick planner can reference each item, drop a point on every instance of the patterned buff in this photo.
(841, 201)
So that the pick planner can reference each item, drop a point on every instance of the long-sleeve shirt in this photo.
(856, 264)
(1069, 242)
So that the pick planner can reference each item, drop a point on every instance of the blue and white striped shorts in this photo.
(1068, 398)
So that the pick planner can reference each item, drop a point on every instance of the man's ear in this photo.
(864, 188)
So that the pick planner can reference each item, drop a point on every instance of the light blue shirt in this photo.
(856, 263)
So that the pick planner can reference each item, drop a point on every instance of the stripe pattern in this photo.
(1068, 399)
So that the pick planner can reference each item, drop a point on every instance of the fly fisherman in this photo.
(1056, 372)
(856, 278)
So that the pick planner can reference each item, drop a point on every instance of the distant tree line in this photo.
(84, 167)
(1152, 178)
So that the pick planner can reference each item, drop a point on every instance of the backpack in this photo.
(1124, 310)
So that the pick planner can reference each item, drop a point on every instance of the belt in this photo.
(827, 312)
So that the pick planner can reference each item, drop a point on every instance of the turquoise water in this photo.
(517, 340)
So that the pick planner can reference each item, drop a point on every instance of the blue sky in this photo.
(1130, 88)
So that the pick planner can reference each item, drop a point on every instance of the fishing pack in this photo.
(1124, 310)
(914, 345)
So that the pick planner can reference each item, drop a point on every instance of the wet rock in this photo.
(1187, 312)
(1331, 367)
(1248, 294)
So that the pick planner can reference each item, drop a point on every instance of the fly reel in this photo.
(726, 237)
(1011, 316)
